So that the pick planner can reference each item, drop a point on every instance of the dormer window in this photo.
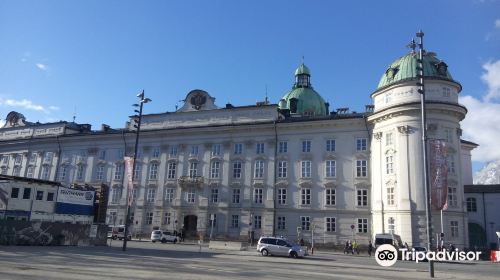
(391, 72)
(441, 68)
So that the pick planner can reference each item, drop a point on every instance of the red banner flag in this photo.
(129, 168)
(439, 174)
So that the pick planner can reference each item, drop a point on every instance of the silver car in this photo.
(279, 247)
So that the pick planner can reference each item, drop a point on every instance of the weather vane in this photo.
(412, 45)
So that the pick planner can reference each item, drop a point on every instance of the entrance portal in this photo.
(190, 224)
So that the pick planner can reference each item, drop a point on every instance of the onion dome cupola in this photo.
(405, 69)
(303, 100)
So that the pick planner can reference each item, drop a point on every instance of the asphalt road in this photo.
(145, 260)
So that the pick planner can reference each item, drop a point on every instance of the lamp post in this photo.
(137, 120)
(421, 90)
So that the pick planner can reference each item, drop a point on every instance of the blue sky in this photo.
(93, 57)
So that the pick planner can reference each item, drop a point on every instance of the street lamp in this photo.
(137, 125)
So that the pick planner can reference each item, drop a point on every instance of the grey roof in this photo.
(482, 188)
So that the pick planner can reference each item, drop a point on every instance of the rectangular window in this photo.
(281, 223)
(194, 150)
(214, 195)
(388, 139)
(471, 204)
(5, 159)
(116, 194)
(29, 172)
(389, 165)
(137, 172)
(236, 196)
(448, 135)
(14, 193)
(171, 170)
(149, 218)
(4, 170)
(169, 194)
(190, 195)
(450, 160)
(216, 150)
(305, 222)
(27, 193)
(259, 169)
(156, 153)
(168, 218)
(50, 196)
(330, 224)
(257, 221)
(330, 145)
(237, 169)
(283, 147)
(153, 171)
(305, 196)
(102, 155)
(362, 196)
(257, 195)
(150, 197)
(120, 153)
(63, 172)
(16, 171)
(363, 225)
(18, 159)
(330, 197)
(282, 169)
(135, 191)
(282, 196)
(452, 197)
(454, 228)
(391, 225)
(48, 157)
(238, 148)
(80, 172)
(193, 169)
(361, 144)
(235, 221)
(32, 159)
(390, 196)
(330, 168)
(118, 171)
(215, 170)
(305, 169)
(306, 146)
(173, 151)
(99, 175)
(45, 172)
(39, 195)
(260, 148)
(361, 168)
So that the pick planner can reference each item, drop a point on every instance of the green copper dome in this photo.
(302, 69)
(405, 69)
(303, 99)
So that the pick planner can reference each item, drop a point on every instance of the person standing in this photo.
(355, 247)
(370, 248)
(346, 247)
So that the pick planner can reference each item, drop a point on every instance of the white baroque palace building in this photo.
(285, 169)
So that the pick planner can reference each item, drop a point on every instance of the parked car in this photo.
(421, 249)
(163, 236)
(279, 247)
(118, 232)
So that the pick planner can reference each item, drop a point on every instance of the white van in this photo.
(118, 232)
(387, 238)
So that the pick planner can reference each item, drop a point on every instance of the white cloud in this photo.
(42, 66)
(2, 123)
(482, 124)
(492, 78)
(497, 23)
(27, 104)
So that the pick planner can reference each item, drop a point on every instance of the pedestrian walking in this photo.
(346, 247)
(355, 247)
(370, 248)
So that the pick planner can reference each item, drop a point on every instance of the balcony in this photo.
(187, 181)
